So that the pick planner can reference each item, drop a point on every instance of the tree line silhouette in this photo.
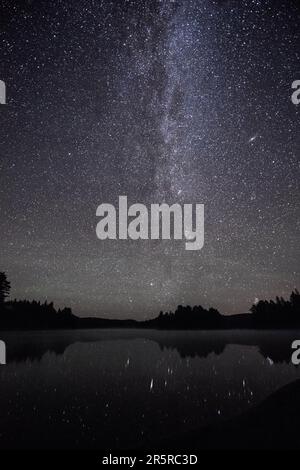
(24, 314)
(264, 314)
(189, 317)
(280, 312)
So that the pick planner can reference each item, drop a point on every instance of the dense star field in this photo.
(163, 101)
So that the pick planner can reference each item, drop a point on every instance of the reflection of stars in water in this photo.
(252, 139)
(127, 363)
(205, 388)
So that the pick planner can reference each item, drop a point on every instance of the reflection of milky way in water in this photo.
(122, 390)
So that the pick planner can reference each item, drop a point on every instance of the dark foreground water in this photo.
(110, 389)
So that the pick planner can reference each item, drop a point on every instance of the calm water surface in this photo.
(126, 388)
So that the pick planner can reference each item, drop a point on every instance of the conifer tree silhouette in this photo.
(4, 287)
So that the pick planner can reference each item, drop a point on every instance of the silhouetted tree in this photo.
(4, 287)
(278, 314)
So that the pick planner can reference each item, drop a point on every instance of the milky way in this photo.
(162, 101)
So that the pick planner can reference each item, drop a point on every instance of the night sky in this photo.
(163, 101)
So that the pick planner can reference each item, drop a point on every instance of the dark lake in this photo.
(131, 388)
